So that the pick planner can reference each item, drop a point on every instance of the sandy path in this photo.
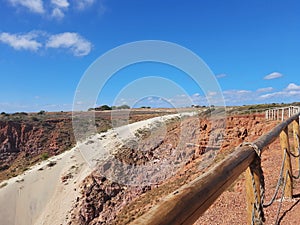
(40, 197)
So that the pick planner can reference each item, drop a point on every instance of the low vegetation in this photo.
(106, 107)
(3, 185)
(44, 155)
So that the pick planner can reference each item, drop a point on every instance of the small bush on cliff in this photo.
(34, 118)
(3, 185)
(20, 114)
(44, 156)
(42, 112)
(102, 108)
(4, 114)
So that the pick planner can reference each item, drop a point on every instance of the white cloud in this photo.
(212, 93)
(35, 40)
(83, 4)
(273, 95)
(292, 87)
(290, 93)
(35, 6)
(73, 41)
(21, 41)
(57, 9)
(273, 75)
(60, 7)
(57, 13)
(60, 3)
(267, 89)
(233, 97)
(243, 92)
(293, 93)
(221, 75)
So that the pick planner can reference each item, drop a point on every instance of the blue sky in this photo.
(252, 47)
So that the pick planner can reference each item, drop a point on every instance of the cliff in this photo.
(106, 202)
(23, 142)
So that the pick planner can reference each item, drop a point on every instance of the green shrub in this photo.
(34, 118)
(4, 114)
(3, 185)
(42, 112)
(44, 156)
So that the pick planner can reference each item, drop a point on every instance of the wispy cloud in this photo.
(83, 4)
(10, 107)
(221, 75)
(293, 87)
(57, 9)
(35, 6)
(73, 41)
(36, 40)
(266, 89)
(57, 13)
(273, 95)
(233, 97)
(21, 41)
(290, 93)
(185, 100)
(230, 97)
(60, 3)
(273, 75)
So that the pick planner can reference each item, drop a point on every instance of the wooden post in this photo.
(271, 114)
(296, 133)
(285, 145)
(186, 204)
(251, 196)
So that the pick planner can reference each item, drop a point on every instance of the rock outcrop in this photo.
(107, 202)
(22, 141)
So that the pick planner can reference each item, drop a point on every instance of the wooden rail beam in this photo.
(185, 205)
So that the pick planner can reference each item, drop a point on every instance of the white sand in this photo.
(39, 196)
(25, 197)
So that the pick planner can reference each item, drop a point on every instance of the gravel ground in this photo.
(230, 208)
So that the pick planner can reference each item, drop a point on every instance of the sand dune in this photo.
(25, 197)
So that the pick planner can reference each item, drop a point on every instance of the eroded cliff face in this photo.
(27, 138)
(23, 142)
(106, 202)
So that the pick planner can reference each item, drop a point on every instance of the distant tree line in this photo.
(106, 107)
(198, 106)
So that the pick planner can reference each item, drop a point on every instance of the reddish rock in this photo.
(26, 139)
(105, 202)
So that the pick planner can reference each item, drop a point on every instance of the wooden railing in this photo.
(281, 113)
(188, 203)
